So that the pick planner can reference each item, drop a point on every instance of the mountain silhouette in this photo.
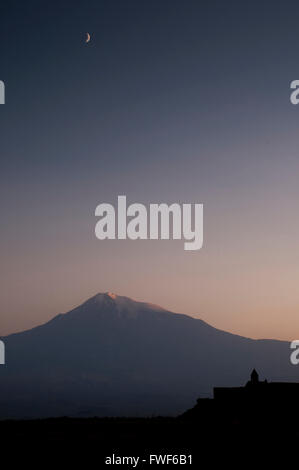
(114, 356)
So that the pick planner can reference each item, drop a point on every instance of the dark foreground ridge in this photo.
(256, 423)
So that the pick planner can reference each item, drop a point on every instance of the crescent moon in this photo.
(87, 37)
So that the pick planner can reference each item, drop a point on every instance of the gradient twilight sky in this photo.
(171, 101)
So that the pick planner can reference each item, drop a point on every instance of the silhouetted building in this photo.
(256, 402)
(254, 377)
(259, 394)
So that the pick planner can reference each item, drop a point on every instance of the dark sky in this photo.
(171, 101)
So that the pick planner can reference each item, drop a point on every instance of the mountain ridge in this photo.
(125, 357)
